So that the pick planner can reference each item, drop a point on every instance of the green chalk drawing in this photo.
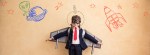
(25, 6)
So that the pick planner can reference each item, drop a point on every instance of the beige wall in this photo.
(21, 37)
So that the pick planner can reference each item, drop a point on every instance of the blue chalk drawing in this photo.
(33, 16)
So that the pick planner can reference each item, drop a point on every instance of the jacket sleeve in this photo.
(91, 38)
(61, 34)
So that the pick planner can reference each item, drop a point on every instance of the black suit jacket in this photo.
(69, 35)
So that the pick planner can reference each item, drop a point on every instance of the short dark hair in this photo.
(76, 19)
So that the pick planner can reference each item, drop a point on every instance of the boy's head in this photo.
(76, 20)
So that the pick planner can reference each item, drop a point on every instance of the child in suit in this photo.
(75, 43)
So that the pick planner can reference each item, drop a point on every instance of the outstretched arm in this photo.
(61, 34)
(91, 38)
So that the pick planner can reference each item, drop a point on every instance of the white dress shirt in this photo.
(77, 40)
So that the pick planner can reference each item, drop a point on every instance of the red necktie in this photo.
(75, 34)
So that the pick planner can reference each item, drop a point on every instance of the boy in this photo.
(75, 43)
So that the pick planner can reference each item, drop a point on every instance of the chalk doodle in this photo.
(10, 11)
(114, 20)
(33, 16)
(74, 9)
(146, 13)
(135, 5)
(59, 4)
(92, 6)
(119, 6)
(25, 6)
(3, 3)
(75, 12)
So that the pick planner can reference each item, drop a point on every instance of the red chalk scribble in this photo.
(114, 20)
(92, 6)
(3, 3)
(59, 4)
(135, 5)
(119, 6)
(146, 13)
(10, 11)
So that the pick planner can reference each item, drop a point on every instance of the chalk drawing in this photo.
(75, 12)
(33, 16)
(92, 5)
(25, 6)
(3, 3)
(114, 20)
(59, 4)
(146, 13)
(119, 6)
(10, 11)
(135, 5)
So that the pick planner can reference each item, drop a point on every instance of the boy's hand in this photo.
(99, 43)
(50, 39)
